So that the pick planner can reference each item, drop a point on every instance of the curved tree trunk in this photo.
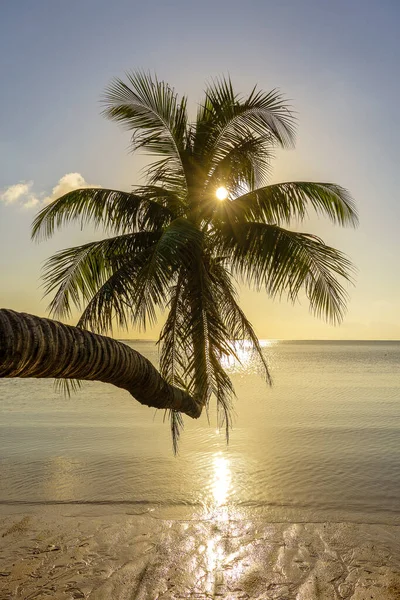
(31, 346)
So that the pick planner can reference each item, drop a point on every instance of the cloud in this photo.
(15, 192)
(31, 202)
(21, 193)
(67, 183)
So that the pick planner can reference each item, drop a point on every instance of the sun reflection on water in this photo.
(222, 479)
(245, 353)
(221, 558)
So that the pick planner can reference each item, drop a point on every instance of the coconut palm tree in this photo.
(205, 219)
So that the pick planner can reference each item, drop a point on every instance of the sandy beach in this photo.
(102, 553)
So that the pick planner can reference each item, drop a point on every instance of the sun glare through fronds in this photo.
(221, 193)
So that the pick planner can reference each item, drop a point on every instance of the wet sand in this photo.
(102, 553)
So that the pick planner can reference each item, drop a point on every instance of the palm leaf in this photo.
(285, 262)
(139, 282)
(76, 274)
(245, 165)
(173, 336)
(236, 322)
(68, 386)
(209, 336)
(112, 301)
(225, 117)
(177, 245)
(150, 109)
(113, 210)
(283, 202)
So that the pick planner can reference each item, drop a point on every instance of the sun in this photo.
(221, 193)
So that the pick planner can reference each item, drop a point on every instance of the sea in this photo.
(321, 444)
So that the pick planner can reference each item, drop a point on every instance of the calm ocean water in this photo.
(323, 443)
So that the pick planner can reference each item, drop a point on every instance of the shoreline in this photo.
(119, 553)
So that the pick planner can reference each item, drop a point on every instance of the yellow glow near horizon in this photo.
(222, 193)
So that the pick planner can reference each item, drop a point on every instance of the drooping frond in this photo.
(284, 202)
(236, 322)
(179, 242)
(76, 274)
(139, 283)
(197, 336)
(115, 211)
(176, 424)
(210, 339)
(67, 387)
(174, 338)
(176, 346)
(150, 108)
(285, 262)
(113, 299)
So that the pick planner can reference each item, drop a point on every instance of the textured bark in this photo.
(31, 346)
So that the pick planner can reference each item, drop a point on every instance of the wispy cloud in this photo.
(31, 202)
(21, 194)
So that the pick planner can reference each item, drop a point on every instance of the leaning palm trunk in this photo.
(31, 346)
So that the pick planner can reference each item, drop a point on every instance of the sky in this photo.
(336, 61)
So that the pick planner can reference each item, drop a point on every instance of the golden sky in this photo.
(343, 88)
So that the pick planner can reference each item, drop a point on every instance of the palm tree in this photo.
(31, 346)
(175, 246)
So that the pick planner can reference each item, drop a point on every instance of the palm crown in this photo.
(174, 245)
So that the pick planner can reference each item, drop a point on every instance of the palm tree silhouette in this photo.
(174, 245)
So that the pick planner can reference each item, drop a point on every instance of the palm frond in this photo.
(210, 340)
(177, 425)
(76, 274)
(174, 338)
(285, 262)
(245, 166)
(177, 245)
(283, 202)
(67, 387)
(150, 108)
(225, 117)
(140, 282)
(175, 348)
(161, 173)
(236, 322)
(174, 200)
(113, 210)
(112, 301)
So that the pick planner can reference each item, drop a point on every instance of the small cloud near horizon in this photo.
(13, 193)
(21, 194)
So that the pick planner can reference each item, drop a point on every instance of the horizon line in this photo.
(282, 340)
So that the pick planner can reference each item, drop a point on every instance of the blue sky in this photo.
(336, 61)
